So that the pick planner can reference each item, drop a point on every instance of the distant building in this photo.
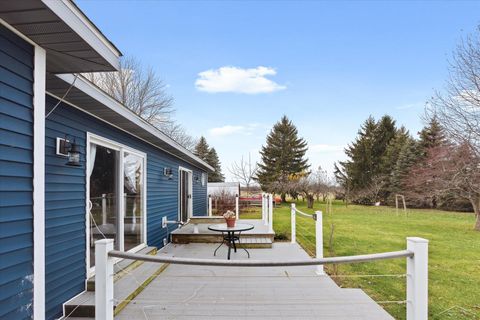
(232, 188)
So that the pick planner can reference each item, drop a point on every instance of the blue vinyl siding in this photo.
(16, 174)
(65, 199)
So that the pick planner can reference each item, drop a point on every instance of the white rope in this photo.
(263, 263)
(303, 213)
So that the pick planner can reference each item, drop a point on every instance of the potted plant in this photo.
(230, 218)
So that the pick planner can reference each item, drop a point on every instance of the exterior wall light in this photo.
(168, 172)
(70, 150)
(74, 155)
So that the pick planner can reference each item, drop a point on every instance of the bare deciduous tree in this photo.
(448, 170)
(458, 107)
(458, 111)
(244, 172)
(141, 90)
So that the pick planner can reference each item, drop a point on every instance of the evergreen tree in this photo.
(202, 149)
(283, 156)
(408, 156)
(209, 155)
(383, 136)
(431, 136)
(368, 166)
(214, 161)
(389, 161)
(360, 166)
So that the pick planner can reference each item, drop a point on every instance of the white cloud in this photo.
(325, 148)
(238, 80)
(231, 130)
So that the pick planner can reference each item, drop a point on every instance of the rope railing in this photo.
(317, 217)
(416, 254)
(262, 263)
(417, 264)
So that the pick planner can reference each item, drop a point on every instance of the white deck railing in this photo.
(417, 263)
(416, 255)
(267, 209)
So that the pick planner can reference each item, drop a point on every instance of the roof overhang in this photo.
(87, 97)
(72, 42)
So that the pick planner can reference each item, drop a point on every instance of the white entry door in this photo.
(185, 194)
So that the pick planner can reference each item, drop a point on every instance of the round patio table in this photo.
(229, 236)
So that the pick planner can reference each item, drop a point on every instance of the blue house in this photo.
(75, 165)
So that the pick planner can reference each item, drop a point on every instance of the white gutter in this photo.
(80, 24)
(93, 91)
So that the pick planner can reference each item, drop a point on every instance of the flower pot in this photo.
(230, 222)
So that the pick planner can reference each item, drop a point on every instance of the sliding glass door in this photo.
(133, 193)
(116, 195)
(103, 196)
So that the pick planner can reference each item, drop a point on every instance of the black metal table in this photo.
(229, 236)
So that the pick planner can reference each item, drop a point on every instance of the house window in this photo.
(204, 179)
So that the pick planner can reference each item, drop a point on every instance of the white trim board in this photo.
(39, 76)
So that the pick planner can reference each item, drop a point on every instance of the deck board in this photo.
(191, 292)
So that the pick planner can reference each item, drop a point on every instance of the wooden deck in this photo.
(199, 292)
(258, 237)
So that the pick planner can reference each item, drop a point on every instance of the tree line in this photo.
(440, 168)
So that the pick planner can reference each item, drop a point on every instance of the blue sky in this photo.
(234, 68)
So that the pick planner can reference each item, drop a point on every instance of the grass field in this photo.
(454, 253)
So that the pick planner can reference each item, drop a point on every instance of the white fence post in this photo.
(319, 240)
(265, 209)
(292, 221)
(103, 280)
(270, 213)
(417, 279)
(210, 202)
(237, 207)
(104, 208)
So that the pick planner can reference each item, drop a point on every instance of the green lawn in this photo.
(454, 260)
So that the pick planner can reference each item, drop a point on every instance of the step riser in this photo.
(207, 238)
(255, 246)
(81, 311)
(120, 272)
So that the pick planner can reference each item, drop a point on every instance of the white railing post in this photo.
(104, 208)
(210, 202)
(319, 240)
(292, 221)
(270, 213)
(265, 209)
(237, 207)
(417, 279)
(103, 280)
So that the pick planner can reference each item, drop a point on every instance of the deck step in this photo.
(256, 243)
(123, 267)
(127, 287)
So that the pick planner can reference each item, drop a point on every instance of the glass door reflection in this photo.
(104, 221)
(133, 200)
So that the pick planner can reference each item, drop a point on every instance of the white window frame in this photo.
(190, 191)
(121, 148)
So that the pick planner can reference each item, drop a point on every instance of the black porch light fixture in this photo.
(73, 155)
(70, 150)
(168, 172)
